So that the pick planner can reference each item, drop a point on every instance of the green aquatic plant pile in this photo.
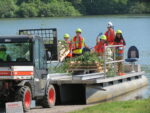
(111, 71)
(87, 58)
(131, 106)
(59, 68)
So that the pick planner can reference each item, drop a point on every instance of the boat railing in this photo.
(110, 58)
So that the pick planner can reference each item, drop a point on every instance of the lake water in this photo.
(136, 31)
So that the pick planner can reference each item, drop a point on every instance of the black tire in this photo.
(49, 99)
(24, 95)
(2, 103)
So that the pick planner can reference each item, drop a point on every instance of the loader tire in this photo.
(49, 99)
(24, 95)
(2, 103)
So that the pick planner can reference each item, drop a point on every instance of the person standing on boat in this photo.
(119, 40)
(100, 46)
(110, 33)
(69, 45)
(78, 43)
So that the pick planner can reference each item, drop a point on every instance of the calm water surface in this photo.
(136, 31)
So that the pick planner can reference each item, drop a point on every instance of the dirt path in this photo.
(58, 109)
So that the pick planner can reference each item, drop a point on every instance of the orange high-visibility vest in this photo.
(120, 49)
(110, 34)
(77, 44)
(99, 48)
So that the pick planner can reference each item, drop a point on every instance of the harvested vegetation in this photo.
(86, 59)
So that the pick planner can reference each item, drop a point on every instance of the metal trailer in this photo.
(24, 76)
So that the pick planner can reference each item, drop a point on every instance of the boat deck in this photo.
(94, 78)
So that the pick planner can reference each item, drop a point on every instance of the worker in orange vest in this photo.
(119, 40)
(78, 43)
(110, 33)
(100, 46)
(69, 45)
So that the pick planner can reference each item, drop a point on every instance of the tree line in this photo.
(53, 8)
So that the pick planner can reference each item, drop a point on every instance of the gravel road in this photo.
(58, 109)
(55, 109)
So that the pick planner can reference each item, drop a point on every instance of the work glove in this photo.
(99, 34)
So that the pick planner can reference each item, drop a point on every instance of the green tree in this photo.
(78, 4)
(51, 8)
(137, 8)
(27, 10)
(95, 7)
(19, 2)
(58, 9)
(7, 8)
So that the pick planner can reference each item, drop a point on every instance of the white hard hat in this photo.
(110, 24)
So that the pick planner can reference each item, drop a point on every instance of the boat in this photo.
(87, 88)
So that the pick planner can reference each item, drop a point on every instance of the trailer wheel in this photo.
(24, 95)
(50, 97)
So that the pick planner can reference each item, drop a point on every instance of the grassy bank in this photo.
(132, 106)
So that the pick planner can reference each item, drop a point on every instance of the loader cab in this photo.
(40, 58)
(22, 51)
(16, 51)
(45, 48)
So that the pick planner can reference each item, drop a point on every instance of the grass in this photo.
(132, 106)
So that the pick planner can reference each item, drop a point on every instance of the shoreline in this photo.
(82, 16)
